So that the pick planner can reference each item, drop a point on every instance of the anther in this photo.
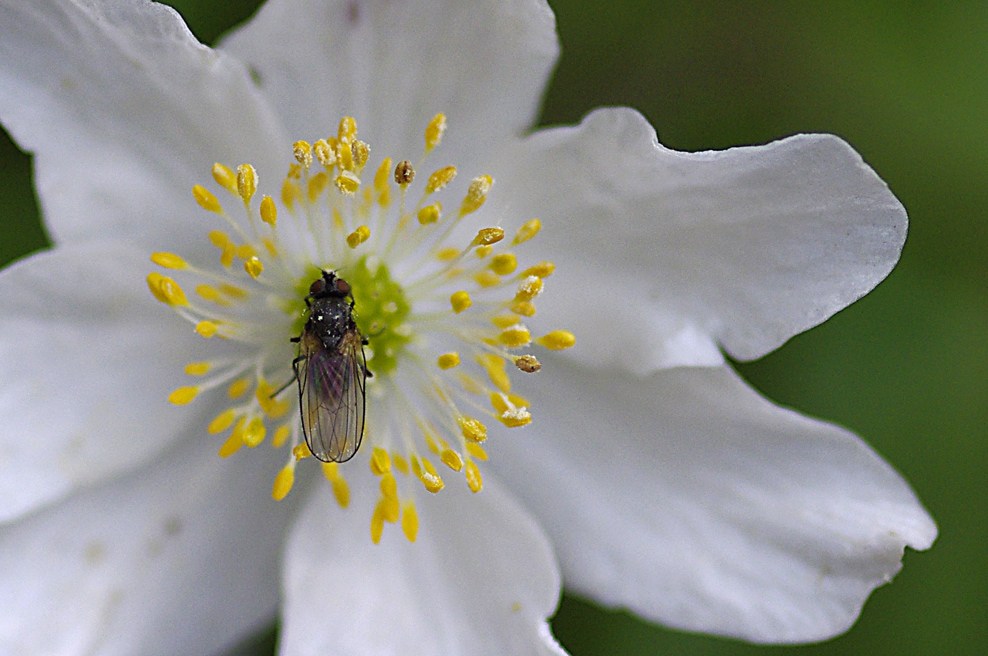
(246, 182)
(197, 369)
(515, 336)
(540, 270)
(283, 482)
(347, 183)
(409, 521)
(430, 213)
(528, 363)
(460, 301)
(503, 264)
(476, 194)
(183, 395)
(434, 132)
(253, 267)
(358, 236)
(206, 199)
(225, 178)
(448, 360)
(474, 480)
(527, 231)
(302, 152)
(221, 422)
(166, 290)
(529, 288)
(440, 179)
(488, 236)
(404, 173)
(269, 211)
(206, 328)
(361, 153)
(557, 340)
(473, 430)
(324, 153)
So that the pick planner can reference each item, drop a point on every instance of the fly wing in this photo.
(331, 397)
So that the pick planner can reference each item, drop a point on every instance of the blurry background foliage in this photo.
(907, 367)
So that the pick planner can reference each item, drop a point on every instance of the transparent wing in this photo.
(331, 397)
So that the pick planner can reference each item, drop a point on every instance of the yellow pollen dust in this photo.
(340, 209)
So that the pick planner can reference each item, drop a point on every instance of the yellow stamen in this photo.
(487, 279)
(238, 388)
(503, 264)
(476, 194)
(302, 152)
(527, 231)
(168, 260)
(557, 340)
(447, 253)
(269, 212)
(316, 185)
(183, 395)
(449, 360)
(474, 480)
(473, 430)
(460, 301)
(410, 521)
(253, 267)
(232, 443)
(206, 199)
(487, 236)
(246, 182)
(529, 288)
(283, 482)
(280, 436)
(358, 236)
(430, 214)
(540, 270)
(166, 290)
(347, 183)
(477, 451)
(524, 308)
(495, 368)
(380, 462)
(206, 328)
(225, 178)
(515, 337)
(451, 459)
(222, 421)
(197, 368)
(440, 179)
(325, 153)
(254, 433)
(434, 132)
(347, 130)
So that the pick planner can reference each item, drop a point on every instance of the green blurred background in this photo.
(907, 367)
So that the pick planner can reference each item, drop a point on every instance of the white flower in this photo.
(662, 482)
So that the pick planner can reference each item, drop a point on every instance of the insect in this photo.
(331, 371)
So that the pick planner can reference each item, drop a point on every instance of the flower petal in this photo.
(747, 246)
(393, 65)
(125, 111)
(86, 364)
(166, 561)
(480, 579)
(693, 501)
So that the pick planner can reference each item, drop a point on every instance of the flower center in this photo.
(348, 321)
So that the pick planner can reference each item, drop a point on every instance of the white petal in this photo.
(393, 65)
(125, 111)
(480, 579)
(180, 558)
(695, 502)
(87, 360)
(660, 251)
